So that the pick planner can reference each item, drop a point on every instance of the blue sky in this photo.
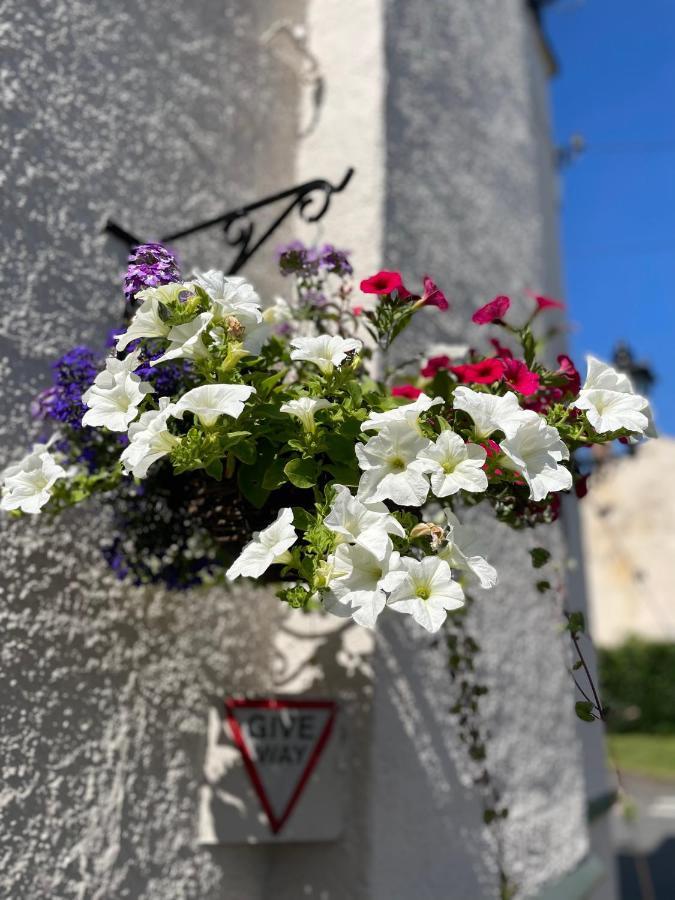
(616, 87)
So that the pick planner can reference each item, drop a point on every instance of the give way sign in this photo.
(281, 741)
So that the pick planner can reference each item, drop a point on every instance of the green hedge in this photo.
(637, 681)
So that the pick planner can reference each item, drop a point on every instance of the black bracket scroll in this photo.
(311, 199)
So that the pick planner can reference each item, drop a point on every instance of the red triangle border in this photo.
(232, 704)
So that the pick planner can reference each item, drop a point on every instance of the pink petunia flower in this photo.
(434, 365)
(492, 312)
(486, 371)
(545, 302)
(432, 296)
(383, 283)
(568, 369)
(502, 351)
(520, 378)
(406, 390)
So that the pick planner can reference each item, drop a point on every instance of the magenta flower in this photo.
(519, 377)
(487, 371)
(493, 311)
(545, 302)
(432, 296)
(406, 390)
(434, 365)
(383, 283)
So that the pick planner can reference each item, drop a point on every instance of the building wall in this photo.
(159, 114)
(471, 196)
(162, 115)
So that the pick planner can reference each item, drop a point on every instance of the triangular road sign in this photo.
(281, 741)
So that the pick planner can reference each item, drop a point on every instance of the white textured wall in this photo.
(469, 196)
(161, 114)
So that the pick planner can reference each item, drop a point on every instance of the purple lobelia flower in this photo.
(150, 265)
(74, 372)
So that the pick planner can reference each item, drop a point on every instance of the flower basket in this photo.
(234, 439)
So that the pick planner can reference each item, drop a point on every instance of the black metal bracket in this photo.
(311, 199)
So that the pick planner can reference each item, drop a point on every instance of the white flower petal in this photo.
(489, 412)
(535, 450)
(210, 401)
(408, 412)
(325, 351)
(265, 548)
(27, 485)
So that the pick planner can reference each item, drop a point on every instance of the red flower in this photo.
(519, 377)
(484, 372)
(545, 302)
(492, 450)
(502, 351)
(383, 283)
(568, 369)
(357, 310)
(406, 390)
(434, 365)
(492, 312)
(581, 486)
(432, 296)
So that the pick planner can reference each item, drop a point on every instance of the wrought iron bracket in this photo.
(311, 199)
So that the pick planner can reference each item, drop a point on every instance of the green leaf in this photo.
(543, 586)
(302, 519)
(338, 447)
(250, 484)
(576, 623)
(540, 556)
(343, 474)
(355, 392)
(246, 452)
(584, 710)
(274, 477)
(215, 469)
(270, 382)
(303, 473)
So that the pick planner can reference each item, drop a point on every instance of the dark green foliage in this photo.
(637, 682)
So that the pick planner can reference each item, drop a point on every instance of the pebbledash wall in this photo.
(162, 114)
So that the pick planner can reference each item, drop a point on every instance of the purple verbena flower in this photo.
(150, 265)
(336, 261)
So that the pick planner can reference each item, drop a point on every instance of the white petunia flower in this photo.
(231, 296)
(424, 589)
(464, 552)
(454, 466)
(354, 521)
(257, 335)
(148, 322)
(325, 351)
(268, 546)
(408, 413)
(610, 402)
(304, 408)
(186, 341)
(149, 440)
(535, 449)
(391, 470)
(27, 485)
(356, 582)
(489, 413)
(114, 397)
(209, 401)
